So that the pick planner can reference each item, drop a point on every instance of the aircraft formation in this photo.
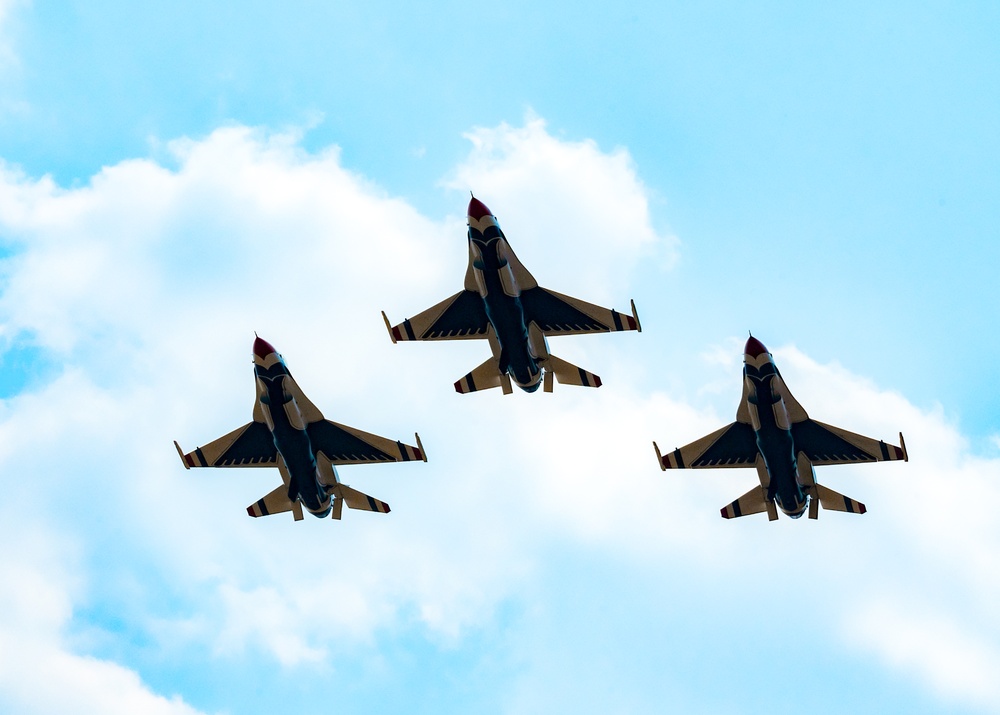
(502, 303)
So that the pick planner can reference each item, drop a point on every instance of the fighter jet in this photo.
(289, 432)
(775, 435)
(504, 304)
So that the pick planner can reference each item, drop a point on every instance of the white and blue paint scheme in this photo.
(289, 432)
(503, 303)
(775, 435)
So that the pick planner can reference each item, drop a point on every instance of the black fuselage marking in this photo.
(776, 445)
(293, 444)
(505, 313)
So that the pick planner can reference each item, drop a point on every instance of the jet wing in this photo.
(462, 316)
(248, 446)
(558, 314)
(732, 446)
(826, 444)
(345, 445)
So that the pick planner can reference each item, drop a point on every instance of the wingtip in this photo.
(180, 453)
(388, 327)
(420, 446)
(902, 445)
(659, 457)
(635, 315)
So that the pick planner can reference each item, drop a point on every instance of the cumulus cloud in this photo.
(39, 673)
(928, 608)
(580, 214)
(923, 553)
(144, 288)
(933, 647)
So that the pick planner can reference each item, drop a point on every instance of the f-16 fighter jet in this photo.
(774, 434)
(289, 432)
(504, 304)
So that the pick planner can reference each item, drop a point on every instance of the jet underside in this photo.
(775, 435)
(503, 304)
(290, 433)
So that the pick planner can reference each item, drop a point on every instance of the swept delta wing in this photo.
(346, 445)
(558, 314)
(826, 444)
(460, 317)
(248, 446)
(732, 446)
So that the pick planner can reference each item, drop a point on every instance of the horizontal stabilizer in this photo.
(833, 501)
(276, 502)
(484, 377)
(753, 502)
(357, 500)
(567, 374)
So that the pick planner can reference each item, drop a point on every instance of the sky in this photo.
(174, 179)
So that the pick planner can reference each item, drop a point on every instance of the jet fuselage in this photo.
(498, 288)
(288, 429)
(772, 428)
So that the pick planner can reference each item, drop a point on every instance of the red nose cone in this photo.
(262, 348)
(754, 347)
(477, 209)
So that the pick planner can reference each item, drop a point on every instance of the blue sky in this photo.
(173, 180)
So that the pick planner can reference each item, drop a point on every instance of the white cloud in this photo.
(580, 216)
(39, 673)
(925, 550)
(144, 288)
(931, 647)
(927, 607)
